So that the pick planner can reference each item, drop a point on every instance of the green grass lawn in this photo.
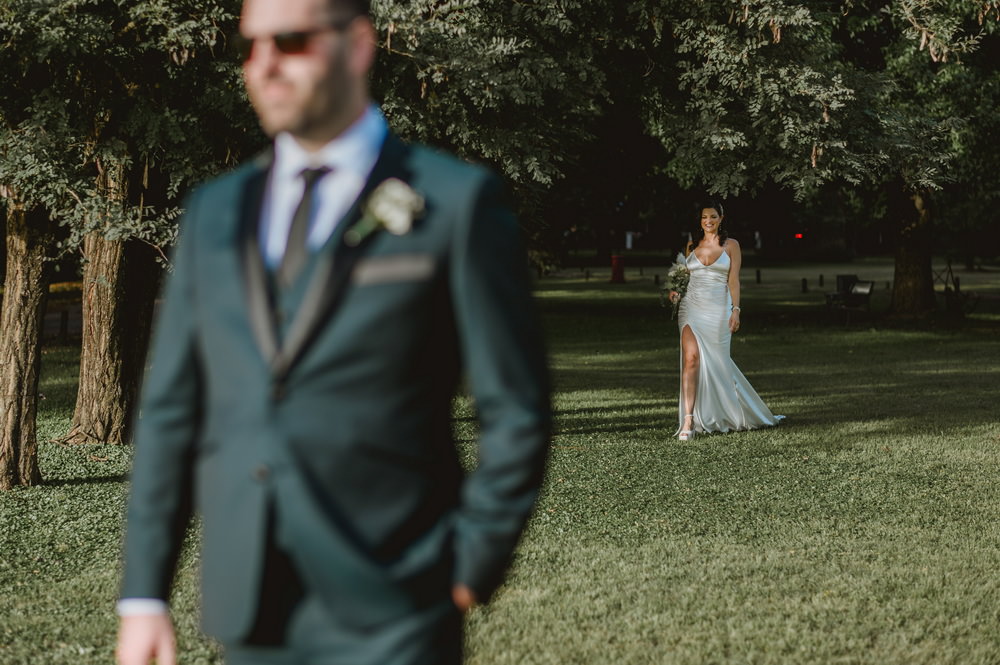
(863, 530)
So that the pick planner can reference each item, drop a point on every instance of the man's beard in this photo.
(327, 107)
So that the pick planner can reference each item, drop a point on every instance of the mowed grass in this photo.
(863, 530)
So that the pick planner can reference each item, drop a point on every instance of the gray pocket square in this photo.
(395, 268)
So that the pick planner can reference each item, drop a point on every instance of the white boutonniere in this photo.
(393, 205)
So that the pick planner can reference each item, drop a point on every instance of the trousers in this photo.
(293, 627)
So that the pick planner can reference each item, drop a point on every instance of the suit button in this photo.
(261, 473)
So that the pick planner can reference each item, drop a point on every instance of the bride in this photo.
(715, 396)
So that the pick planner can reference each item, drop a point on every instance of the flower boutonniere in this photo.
(393, 205)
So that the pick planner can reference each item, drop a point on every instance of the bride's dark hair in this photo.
(716, 205)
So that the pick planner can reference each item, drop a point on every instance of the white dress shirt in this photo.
(351, 158)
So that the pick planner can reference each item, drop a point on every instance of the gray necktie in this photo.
(296, 251)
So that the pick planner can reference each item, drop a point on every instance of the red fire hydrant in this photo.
(617, 269)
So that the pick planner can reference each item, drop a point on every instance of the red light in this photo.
(798, 236)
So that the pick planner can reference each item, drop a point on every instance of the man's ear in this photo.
(363, 41)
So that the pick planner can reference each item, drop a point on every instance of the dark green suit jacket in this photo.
(338, 430)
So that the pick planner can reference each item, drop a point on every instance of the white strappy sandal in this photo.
(686, 434)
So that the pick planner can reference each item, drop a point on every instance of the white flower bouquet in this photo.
(676, 281)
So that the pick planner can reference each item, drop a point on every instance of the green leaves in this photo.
(773, 92)
(753, 99)
(136, 88)
(515, 85)
(511, 84)
(946, 28)
(737, 94)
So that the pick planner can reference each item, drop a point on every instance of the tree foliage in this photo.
(749, 93)
(109, 109)
(97, 85)
(512, 84)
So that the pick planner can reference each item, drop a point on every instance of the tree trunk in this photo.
(118, 291)
(25, 292)
(100, 415)
(913, 280)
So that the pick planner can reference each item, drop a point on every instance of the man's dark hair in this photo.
(351, 8)
(716, 205)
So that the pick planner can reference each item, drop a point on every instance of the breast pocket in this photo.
(393, 269)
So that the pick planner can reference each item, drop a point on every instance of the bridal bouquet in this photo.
(677, 280)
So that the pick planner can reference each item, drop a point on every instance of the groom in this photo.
(325, 300)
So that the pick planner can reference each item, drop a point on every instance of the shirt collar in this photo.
(355, 150)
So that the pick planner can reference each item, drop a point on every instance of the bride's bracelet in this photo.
(734, 308)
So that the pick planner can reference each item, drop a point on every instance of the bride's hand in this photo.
(674, 296)
(734, 321)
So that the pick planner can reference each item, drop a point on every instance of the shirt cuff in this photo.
(128, 607)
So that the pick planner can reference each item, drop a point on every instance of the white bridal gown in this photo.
(725, 399)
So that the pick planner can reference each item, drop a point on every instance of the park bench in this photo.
(852, 295)
(844, 284)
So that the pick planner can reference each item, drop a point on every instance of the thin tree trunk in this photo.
(913, 280)
(25, 292)
(118, 290)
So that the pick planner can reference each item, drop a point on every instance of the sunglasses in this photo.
(289, 43)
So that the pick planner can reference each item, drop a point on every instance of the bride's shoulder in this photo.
(731, 244)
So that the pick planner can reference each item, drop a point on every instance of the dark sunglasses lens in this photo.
(241, 47)
(291, 43)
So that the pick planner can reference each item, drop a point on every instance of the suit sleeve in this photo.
(504, 358)
(159, 506)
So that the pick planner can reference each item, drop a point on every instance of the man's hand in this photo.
(144, 637)
(463, 597)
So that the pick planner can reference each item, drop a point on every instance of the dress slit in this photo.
(684, 410)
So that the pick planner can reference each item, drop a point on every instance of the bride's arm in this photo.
(735, 261)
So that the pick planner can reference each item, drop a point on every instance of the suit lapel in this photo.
(259, 305)
(336, 261)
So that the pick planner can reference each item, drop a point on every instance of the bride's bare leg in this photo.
(689, 373)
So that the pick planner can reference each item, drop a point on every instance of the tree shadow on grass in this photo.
(904, 396)
(88, 480)
(584, 412)
(619, 425)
